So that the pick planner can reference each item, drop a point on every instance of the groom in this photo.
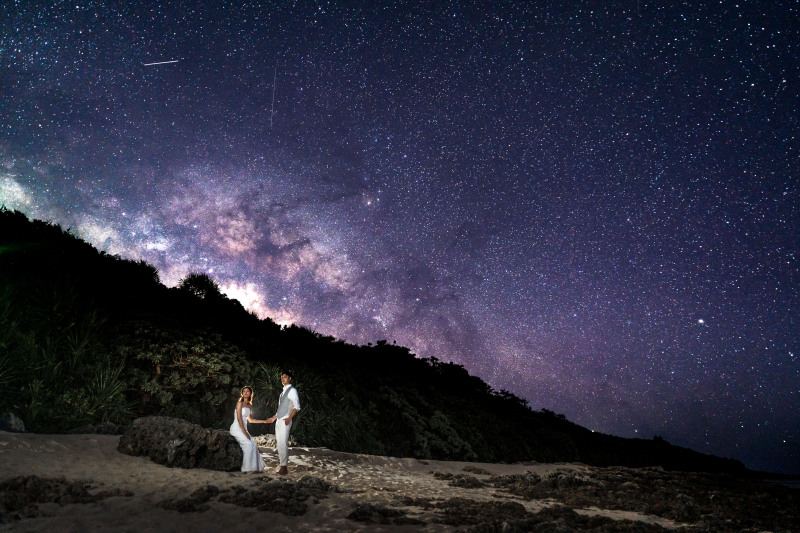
(288, 405)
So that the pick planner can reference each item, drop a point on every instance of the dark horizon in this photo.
(593, 208)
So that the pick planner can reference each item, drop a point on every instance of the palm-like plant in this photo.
(54, 371)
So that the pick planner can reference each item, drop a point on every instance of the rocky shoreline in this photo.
(80, 482)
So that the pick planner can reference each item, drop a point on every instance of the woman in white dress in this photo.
(251, 462)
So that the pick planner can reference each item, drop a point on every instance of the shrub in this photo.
(184, 373)
(54, 371)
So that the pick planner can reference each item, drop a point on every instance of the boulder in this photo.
(176, 442)
(10, 422)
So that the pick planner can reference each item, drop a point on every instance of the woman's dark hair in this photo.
(241, 394)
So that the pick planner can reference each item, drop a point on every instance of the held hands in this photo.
(272, 419)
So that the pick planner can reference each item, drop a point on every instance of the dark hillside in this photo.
(87, 337)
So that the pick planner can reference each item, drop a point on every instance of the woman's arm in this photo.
(256, 421)
(239, 419)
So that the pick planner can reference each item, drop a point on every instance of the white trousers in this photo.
(282, 440)
(251, 462)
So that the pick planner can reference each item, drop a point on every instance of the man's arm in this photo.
(295, 399)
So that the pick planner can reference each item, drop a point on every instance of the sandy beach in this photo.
(134, 490)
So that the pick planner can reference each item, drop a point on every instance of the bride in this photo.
(252, 459)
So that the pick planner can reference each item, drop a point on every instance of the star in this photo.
(541, 193)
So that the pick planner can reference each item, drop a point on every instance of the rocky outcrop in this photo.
(10, 422)
(175, 442)
(712, 502)
(274, 495)
(459, 480)
(196, 502)
(20, 496)
(281, 495)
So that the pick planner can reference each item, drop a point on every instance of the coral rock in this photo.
(175, 442)
(10, 422)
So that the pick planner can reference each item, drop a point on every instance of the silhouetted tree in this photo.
(201, 286)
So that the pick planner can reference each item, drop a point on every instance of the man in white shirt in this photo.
(288, 406)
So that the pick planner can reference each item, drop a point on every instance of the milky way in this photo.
(591, 205)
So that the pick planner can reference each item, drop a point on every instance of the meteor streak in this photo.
(160, 63)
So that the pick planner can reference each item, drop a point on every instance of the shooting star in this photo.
(160, 63)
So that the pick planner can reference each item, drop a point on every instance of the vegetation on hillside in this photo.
(87, 337)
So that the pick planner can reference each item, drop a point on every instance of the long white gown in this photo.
(251, 461)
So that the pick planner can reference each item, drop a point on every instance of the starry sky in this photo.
(593, 205)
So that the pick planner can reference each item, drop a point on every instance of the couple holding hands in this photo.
(288, 406)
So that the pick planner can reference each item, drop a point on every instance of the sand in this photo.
(359, 479)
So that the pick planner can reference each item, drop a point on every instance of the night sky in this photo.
(593, 205)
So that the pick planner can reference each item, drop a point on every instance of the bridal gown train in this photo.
(251, 462)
